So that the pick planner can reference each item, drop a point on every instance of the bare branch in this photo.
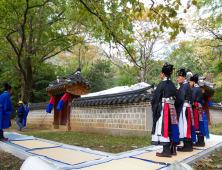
(154, 10)
(217, 37)
(47, 57)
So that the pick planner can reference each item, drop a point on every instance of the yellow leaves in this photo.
(198, 6)
(194, 2)
(178, 1)
(155, 29)
(177, 7)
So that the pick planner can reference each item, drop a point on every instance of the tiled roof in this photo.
(116, 98)
(206, 84)
(36, 106)
(210, 87)
(216, 106)
(67, 80)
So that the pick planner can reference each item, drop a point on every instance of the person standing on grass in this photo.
(184, 111)
(5, 110)
(21, 114)
(165, 129)
(26, 114)
(197, 98)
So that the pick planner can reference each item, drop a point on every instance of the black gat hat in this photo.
(167, 69)
(194, 78)
(181, 72)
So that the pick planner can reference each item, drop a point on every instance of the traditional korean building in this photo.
(75, 85)
(208, 92)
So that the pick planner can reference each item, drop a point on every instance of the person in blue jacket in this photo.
(26, 114)
(5, 110)
(21, 114)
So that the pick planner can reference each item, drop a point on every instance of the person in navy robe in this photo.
(21, 114)
(5, 110)
(197, 98)
(26, 114)
(165, 129)
(183, 106)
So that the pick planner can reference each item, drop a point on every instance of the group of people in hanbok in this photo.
(177, 114)
(6, 111)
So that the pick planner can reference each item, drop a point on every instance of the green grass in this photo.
(216, 129)
(102, 142)
(14, 127)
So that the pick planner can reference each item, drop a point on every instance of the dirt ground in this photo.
(212, 161)
(9, 161)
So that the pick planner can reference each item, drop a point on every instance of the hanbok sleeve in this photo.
(8, 106)
(20, 109)
(157, 102)
(194, 95)
(27, 111)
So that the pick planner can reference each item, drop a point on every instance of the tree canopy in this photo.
(35, 33)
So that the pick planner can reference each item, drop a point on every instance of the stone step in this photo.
(62, 127)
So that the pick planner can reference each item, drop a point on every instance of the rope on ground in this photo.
(43, 120)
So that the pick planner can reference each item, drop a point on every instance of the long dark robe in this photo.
(5, 110)
(197, 95)
(184, 93)
(163, 90)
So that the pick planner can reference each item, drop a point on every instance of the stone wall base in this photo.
(215, 116)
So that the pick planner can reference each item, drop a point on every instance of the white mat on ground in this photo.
(33, 144)
(125, 164)
(67, 156)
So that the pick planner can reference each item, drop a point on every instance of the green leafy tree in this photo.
(111, 21)
(127, 78)
(32, 32)
(183, 55)
(101, 76)
(209, 20)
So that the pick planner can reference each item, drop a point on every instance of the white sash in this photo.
(159, 127)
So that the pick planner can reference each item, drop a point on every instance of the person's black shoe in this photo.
(187, 147)
(200, 141)
(173, 150)
(166, 152)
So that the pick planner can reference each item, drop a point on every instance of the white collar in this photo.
(185, 81)
(165, 79)
(196, 85)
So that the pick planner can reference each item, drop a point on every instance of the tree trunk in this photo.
(142, 75)
(27, 84)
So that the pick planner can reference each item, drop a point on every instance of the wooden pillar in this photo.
(56, 122)
(68, 127)
(206, 107)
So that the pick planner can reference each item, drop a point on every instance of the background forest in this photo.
(114, 42)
